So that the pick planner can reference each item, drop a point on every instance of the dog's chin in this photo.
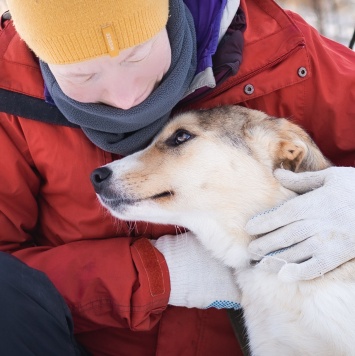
(119, 207)
(149, 210)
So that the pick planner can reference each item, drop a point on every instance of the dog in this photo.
(211, 171)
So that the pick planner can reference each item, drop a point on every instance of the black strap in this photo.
(5, 17)
(237, 320)
(352, 41)
(31, 108)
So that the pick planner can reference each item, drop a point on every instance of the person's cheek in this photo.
(159, 65)
(85, 93)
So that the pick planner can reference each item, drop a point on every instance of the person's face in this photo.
(123, 81)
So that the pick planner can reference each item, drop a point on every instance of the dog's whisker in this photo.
(146, 228)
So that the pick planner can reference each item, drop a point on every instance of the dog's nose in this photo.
(99, 178)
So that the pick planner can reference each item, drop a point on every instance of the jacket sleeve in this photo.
(117, 282)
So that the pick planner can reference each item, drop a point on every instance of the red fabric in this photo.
(50, 217)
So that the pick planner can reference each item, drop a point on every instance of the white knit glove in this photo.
(197, 279)
(320, 221)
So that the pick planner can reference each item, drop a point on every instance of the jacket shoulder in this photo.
(20, 70)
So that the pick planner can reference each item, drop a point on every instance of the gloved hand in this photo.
(197, 279)
(320, 221)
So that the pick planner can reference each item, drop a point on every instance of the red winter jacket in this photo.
(117, 287)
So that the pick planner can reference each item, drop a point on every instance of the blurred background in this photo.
(334, 19)
(2, 6)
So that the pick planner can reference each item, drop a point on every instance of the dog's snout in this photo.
(100, 177)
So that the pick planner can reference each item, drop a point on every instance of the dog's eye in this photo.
(179, 137)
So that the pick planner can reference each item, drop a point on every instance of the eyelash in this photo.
(86, 79)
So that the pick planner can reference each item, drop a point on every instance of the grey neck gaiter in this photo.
(127, 131)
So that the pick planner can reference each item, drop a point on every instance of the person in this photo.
(83, 83)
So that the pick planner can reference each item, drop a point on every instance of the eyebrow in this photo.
(150, 42)
(137, 49)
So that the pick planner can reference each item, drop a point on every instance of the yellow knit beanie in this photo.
(68, 31)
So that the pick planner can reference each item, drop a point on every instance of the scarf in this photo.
(127, 131)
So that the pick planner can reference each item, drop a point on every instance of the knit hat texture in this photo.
(69, 31)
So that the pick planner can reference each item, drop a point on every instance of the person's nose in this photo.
(123, 102)
(124, 97)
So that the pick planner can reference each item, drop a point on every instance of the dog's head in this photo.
(207, 161)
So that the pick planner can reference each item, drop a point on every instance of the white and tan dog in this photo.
(211, 171)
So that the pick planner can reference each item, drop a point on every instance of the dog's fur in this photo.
(211, 171)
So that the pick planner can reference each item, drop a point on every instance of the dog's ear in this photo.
(296, 151)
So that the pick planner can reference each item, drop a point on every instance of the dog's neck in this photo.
(223, 233)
